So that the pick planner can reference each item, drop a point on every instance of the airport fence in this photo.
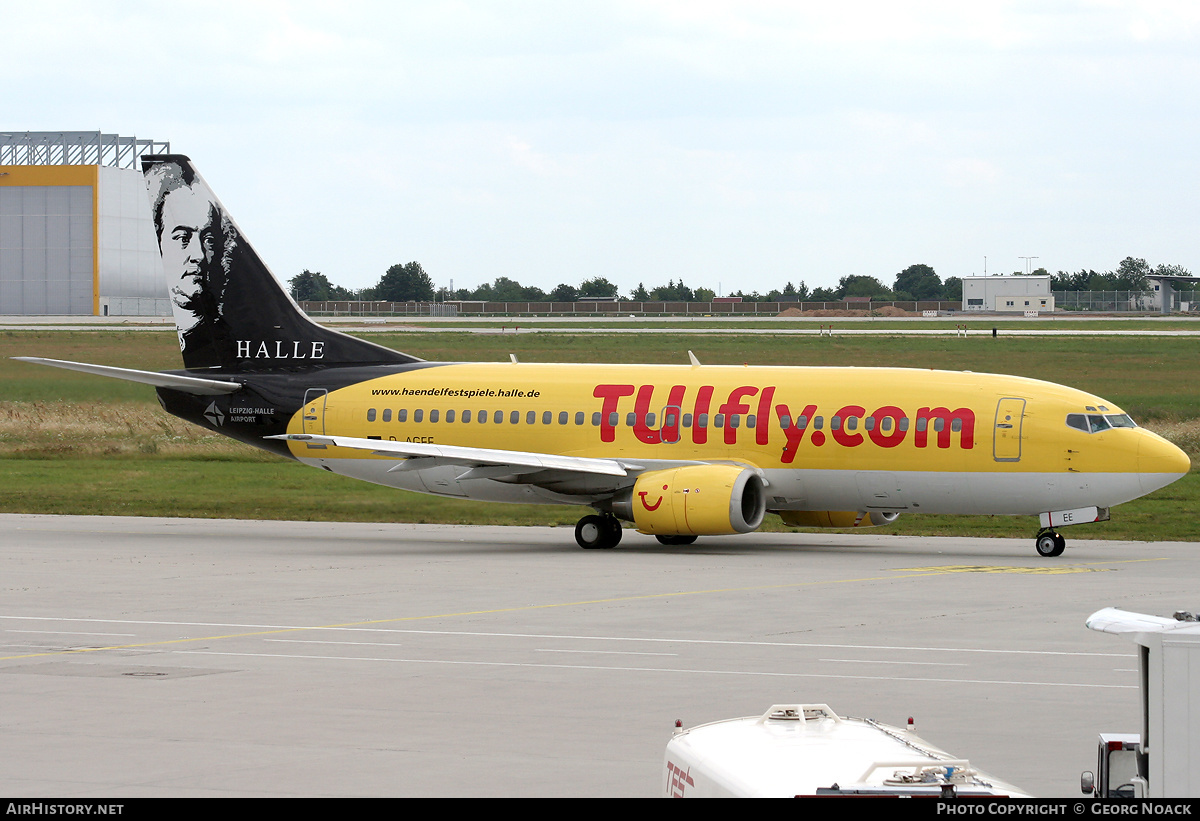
(1123, 301)
(606, 308)
(1088, 301)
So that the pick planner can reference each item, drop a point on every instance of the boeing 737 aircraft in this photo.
(679, 451)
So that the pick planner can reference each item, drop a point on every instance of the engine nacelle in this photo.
(837, 518)
(697, 500)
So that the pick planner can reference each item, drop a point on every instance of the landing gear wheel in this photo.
(675, 540)
(598, 532)
(615, 531)
(1049, 543)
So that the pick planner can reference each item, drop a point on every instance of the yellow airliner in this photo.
(679, 451)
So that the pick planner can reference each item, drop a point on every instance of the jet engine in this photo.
(697, 500)
(837, 518)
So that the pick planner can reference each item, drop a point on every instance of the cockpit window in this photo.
(1095, 422)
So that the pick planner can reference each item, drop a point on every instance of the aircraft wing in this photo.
(484, 462)
(187, 384)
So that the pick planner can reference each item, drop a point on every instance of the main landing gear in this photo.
(598, 532)
(1050, 543)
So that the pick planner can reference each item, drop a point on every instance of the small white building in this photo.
(1007, 294)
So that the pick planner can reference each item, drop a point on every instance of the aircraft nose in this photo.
(1159, 463)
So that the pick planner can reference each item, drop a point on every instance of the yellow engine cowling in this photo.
(836, 518)
(697, 500)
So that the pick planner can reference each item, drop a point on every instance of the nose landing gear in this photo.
(1050, 543)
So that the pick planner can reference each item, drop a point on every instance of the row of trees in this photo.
(410, 282)
(1131, 275)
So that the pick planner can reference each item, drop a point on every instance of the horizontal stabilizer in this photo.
(187, 384)
(471, 457)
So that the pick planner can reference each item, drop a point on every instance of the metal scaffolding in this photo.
(75, 148)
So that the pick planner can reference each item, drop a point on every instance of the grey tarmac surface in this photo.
(173, 657)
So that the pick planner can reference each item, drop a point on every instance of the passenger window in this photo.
(402, 415)
(904, 423)
(939, 424)
(370, 414)
(650, 417)
(579, 417)
(449, 416)
(387, 414)
(885, 424)
(802, 421)
(719, 420)
(687, 420)
(818, 422)
(482, 416)
(785, 422)
(869, 423)
(702, 420)
(614, 419)
(630, 420)
(531, 418)
(735, 420)
(922, 424)
(466, 416)
(956, 425)
(851, 423)
(547, 417)
(433, 416)
(417, 414)
(596, 419)
(835, 423)
(498, 417)
(562, 417)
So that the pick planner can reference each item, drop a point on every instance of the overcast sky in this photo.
(735, 145)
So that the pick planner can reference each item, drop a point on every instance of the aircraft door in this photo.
(313, 412)
(669, 430)
(1006, 439)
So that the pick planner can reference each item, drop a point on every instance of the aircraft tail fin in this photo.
(230, 311)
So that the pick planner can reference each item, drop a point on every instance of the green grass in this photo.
(73, 443)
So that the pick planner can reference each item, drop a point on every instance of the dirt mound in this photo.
(886, 310)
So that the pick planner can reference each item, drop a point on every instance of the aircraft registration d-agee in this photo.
(679, 451)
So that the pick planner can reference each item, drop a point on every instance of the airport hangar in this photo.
(76, 235)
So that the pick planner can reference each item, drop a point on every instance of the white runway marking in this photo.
(577, 637)
(354, 643)
(685, 671)
(922, 663)
(606, 652)
(71, 633)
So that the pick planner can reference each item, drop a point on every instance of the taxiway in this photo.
(172, 657)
